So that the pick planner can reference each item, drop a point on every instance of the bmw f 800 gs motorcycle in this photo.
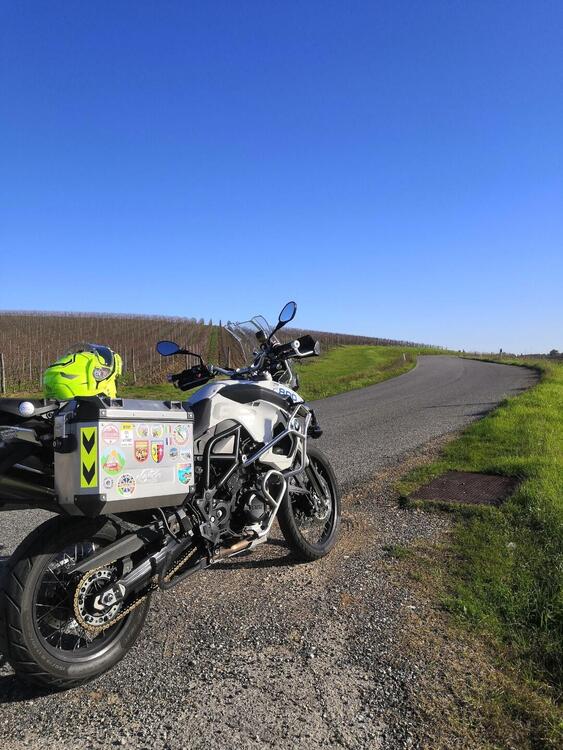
(77, 591)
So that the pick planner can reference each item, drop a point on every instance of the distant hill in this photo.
(30, 341)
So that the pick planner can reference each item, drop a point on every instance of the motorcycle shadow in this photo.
(13, 691)
(251, 561)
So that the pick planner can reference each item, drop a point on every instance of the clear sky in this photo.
(395, 167)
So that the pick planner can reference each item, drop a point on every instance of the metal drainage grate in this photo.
(469, 488)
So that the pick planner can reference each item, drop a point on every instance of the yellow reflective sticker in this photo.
(88, 456)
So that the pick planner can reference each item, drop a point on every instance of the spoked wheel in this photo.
(53, 606)
(44, 639)
(309, 514)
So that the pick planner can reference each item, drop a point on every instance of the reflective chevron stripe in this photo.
(89, 456)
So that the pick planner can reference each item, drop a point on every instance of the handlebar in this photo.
(216, 370)
(192, 377)
(306, 346)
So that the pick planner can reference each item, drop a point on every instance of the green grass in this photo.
(397, 551)
(164, 392)
(508, 579)
(346, 368)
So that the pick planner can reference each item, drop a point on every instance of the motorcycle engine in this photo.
(229, 512)
(253, 508)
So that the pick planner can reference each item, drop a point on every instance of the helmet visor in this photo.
(103, 351)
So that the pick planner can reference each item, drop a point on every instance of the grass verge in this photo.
(346, 368)
(507, 578)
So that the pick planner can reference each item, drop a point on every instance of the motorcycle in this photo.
(214, 473)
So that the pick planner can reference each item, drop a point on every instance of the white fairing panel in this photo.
(207, 391)
(258, 417)
(283, 390)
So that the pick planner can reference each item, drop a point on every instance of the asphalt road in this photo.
(368, 429)
(260, 652)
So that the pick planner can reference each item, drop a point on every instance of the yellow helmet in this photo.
(84, 370)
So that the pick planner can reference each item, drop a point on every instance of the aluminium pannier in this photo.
(118, 455)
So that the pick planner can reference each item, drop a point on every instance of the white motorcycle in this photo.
(148, 493)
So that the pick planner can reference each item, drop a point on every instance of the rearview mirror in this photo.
(287, 314)
(166, 348)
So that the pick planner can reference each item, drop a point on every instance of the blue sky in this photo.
(395, 167)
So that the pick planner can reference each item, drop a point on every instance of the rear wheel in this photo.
(309, 515)
(41, 637)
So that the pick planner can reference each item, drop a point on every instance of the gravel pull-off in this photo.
(257, 652)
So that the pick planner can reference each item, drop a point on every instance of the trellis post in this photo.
(2, 374)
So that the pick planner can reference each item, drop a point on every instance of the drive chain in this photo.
(95, 630)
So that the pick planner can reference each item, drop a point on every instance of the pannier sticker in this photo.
(143, 430)
(181, 434)
(126, 485)
(157, 431)
(184, 473)
(185, 455)
(141, 450)
(149, 476)
(157, 451)
(126, 435)
(173, 453)
(110, 434)
(113, 462)
(88, 456)
(108, 483)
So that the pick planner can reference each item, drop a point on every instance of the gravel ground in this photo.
(257, 653)
(261, 652)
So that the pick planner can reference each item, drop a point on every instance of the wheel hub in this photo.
(90, 609)
(322, 508)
